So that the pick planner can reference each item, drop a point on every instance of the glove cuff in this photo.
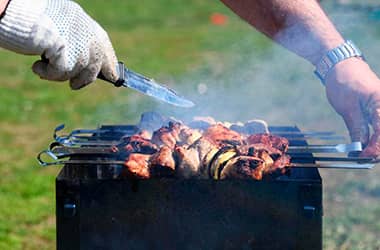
(17, 24)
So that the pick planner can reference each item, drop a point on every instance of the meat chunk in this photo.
(254, 149)
(274, 141)
(222, 136)
(167, 135)
(188, 136)
(137, 166)
(188, 163)
(162, 164)
(259, 165)
(281, 163)
(244, 167)
(139, 144)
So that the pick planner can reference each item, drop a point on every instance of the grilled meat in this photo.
(137, 166)
(274, 141)
(162, 163)
(167, 135)
(281, 162)
(218, 153)
(223, 136)
(139, 144)
(254, 149)
(188, 136)
(188, 164)
(243, 167)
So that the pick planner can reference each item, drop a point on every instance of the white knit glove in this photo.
(76, 47)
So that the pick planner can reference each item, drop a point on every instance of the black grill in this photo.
(98, 209)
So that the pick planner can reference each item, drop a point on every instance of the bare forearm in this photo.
(299, 25)
(3, 5)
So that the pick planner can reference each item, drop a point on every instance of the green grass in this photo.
(173, 41)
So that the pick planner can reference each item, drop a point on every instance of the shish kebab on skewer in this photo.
(217, 153)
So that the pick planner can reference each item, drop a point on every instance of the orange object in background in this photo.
(218, 19)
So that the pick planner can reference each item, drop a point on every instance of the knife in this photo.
(133, 80)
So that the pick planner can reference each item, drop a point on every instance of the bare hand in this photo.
(353, 89)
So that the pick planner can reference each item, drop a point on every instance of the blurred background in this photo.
(205, 52)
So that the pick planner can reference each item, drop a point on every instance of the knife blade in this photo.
(147, 86)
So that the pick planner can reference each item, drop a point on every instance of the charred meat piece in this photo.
(256, 166)
(223, 136)
(188, 136)
(137, 166)
(274, 141)
(254, 149)
(281, 163)
(175, 133)
(243, 167)
(139, 144)
(280, 167)
(167, 135)
(188, 163)
(162, 164)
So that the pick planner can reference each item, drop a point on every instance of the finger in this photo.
(85, 77)
(109, 64)
(49, 72)
(357, 124)
(373, 148)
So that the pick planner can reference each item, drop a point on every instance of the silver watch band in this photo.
(347, 50)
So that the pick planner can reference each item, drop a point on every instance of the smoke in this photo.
(274, 85)
(258, 81)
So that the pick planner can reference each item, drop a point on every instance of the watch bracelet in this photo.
(344, 51)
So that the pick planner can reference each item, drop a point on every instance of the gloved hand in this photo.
(76, 47)
(353, 89)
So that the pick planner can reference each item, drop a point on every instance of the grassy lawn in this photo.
(245, 75)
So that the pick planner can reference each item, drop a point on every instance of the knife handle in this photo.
(120, 71)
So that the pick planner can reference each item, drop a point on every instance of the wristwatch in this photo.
(344, 51)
